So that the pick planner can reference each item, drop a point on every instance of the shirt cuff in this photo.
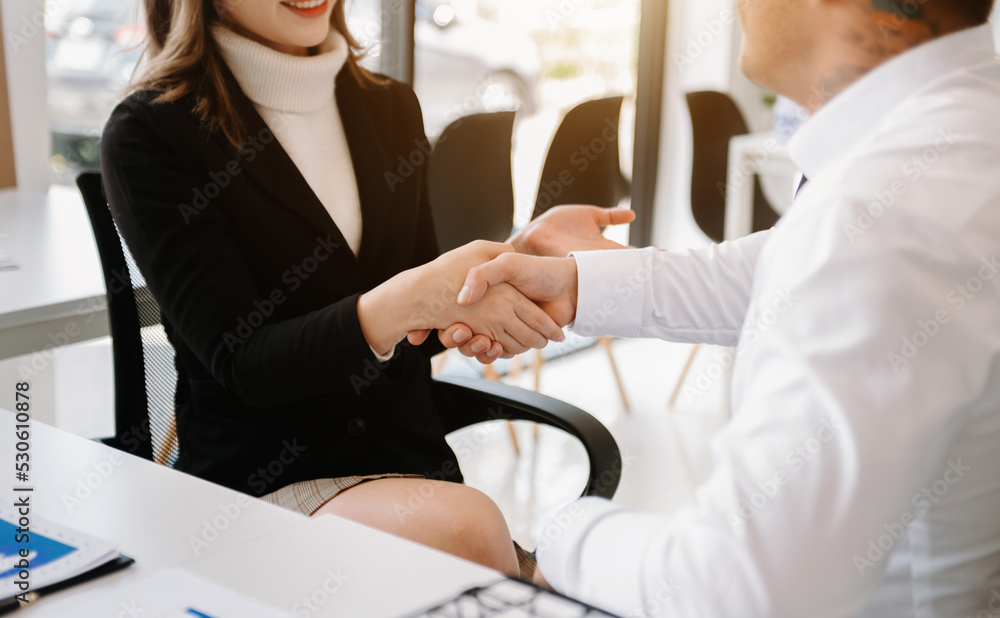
(381, 358)
(607, 282)
(596, 551)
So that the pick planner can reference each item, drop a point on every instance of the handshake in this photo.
(491, 300)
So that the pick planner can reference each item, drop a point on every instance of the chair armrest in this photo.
(467, 401)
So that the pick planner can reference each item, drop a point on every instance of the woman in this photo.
(249, 174)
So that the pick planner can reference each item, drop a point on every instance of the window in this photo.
(538, 57)
(92, 47)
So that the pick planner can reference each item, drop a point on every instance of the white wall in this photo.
(701, 55)
(24, 52)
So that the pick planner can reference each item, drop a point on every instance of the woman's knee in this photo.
(477, 529)
(454, 518)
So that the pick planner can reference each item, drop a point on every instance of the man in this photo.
(861, 472)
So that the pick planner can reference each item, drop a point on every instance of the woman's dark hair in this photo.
(183, 59)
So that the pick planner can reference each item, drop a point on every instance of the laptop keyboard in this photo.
(513, 599)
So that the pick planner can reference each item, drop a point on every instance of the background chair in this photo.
(715, 119)
(144, 381)
(469, 180)
(583, 166)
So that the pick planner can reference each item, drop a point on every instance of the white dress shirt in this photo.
(861, 472)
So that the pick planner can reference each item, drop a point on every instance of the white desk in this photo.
(261, 550)
(760, 155)
(57, 295)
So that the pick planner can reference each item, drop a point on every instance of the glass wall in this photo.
(539, 57)
(92, 47)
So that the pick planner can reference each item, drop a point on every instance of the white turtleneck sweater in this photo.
(295, 97)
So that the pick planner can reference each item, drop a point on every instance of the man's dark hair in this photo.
(973, 11)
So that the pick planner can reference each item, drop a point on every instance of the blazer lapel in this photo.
(270, 168)
(369, 129)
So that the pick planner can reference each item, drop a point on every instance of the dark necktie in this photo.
(802, 183)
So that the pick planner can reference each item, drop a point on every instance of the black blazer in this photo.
(258, 289)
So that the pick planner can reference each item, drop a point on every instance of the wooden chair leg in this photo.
(605, 342)
(515, 366)
(161, 454)
(683, 376)
(536, 367)
(489, 373)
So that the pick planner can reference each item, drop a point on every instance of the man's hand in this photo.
(551, 282)
(424, 298)
(569, 228)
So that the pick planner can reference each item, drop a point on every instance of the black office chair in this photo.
(145, 380)
(715, 120)
(583, 162)
(583, 166)
(469, 180)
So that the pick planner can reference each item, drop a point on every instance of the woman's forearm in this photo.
(386, 312)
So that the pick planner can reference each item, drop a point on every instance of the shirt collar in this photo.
(856, 112)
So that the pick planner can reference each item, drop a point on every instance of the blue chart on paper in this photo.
(42, 550)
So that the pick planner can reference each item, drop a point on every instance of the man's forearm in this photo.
(695, 296)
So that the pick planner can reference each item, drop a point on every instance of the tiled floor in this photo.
(665, 451)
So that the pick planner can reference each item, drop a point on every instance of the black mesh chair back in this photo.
(470, 182)
(144, 369)
(715, 119)
(583, 163)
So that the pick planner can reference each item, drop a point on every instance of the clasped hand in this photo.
(537, 272)
(497, 313)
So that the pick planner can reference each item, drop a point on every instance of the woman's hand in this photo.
(556, 233)
(427, 298)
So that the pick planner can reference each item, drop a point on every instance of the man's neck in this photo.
(875, 34)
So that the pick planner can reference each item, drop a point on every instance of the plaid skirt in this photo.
(307, 497)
